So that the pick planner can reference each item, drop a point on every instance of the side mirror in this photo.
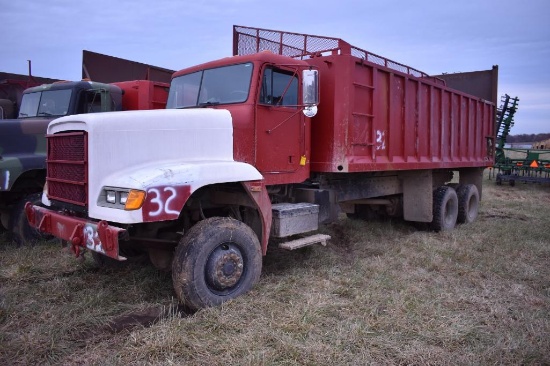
(310, 89)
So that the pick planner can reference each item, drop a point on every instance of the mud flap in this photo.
(417, 195)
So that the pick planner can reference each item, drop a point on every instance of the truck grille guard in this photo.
(67, 181)
(67, 167)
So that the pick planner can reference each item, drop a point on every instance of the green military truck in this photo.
(23, 141)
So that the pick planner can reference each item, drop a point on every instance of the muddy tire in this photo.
(468, 203)
(445, 209)
(22, 232)
(217, 260)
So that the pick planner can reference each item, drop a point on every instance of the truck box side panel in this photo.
(143, 94)
(372, 118)
(482, 84)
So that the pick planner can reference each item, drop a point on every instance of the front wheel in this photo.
(23, 233)
(217, 260)
(445, 209)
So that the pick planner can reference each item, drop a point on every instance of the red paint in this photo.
(72, 228)
(372, 118)
(375, 114)
(143, 94)
(258, 192)
(164, 202)
(272, 138)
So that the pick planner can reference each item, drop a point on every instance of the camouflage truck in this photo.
(12, 87)
(23, 140)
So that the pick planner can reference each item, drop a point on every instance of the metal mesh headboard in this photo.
(248, 40)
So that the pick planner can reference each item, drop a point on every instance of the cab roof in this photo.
(261, 57)
(64, 85)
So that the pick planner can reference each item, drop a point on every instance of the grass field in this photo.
(379, 293)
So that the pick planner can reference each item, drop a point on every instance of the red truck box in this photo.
(143, 94)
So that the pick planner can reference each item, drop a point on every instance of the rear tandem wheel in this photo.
(445, 209)
(468, 203)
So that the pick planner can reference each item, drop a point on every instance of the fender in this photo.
(168, 187)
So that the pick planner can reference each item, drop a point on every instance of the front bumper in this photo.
(98, 236)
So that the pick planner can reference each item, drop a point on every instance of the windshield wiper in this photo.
(21, 114)
(206, 104)
(44, 114)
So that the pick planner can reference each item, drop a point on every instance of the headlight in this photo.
(110, 196)
(121, 198)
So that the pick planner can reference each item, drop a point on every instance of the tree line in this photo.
(534, 137)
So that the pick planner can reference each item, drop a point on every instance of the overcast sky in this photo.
(434, 36)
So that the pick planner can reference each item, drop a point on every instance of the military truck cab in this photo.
(69, 97)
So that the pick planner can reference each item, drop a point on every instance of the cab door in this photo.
(280, 128)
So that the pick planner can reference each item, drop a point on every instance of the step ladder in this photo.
(305, 241)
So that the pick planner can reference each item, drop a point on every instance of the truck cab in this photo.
(69, 97)
(263, 93)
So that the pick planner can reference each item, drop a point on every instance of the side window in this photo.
(90, 101)
(29, 105)
(279, 88)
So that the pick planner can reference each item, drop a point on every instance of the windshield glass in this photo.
(45, 104)
(222, 85)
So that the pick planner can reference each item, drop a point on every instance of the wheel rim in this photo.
(224, 268)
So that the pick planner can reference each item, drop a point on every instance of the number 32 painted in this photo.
(163, 207)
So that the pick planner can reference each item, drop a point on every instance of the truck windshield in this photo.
(46, 103)
(222, 85)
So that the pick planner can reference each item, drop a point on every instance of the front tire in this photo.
(217, 260)
(23, 233)
(445, 209)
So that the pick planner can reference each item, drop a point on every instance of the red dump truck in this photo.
(265, 144)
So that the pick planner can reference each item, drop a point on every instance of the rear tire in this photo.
(445, 209)
(468, 203)
(217, 260)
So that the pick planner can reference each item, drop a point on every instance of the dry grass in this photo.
(379, 293)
